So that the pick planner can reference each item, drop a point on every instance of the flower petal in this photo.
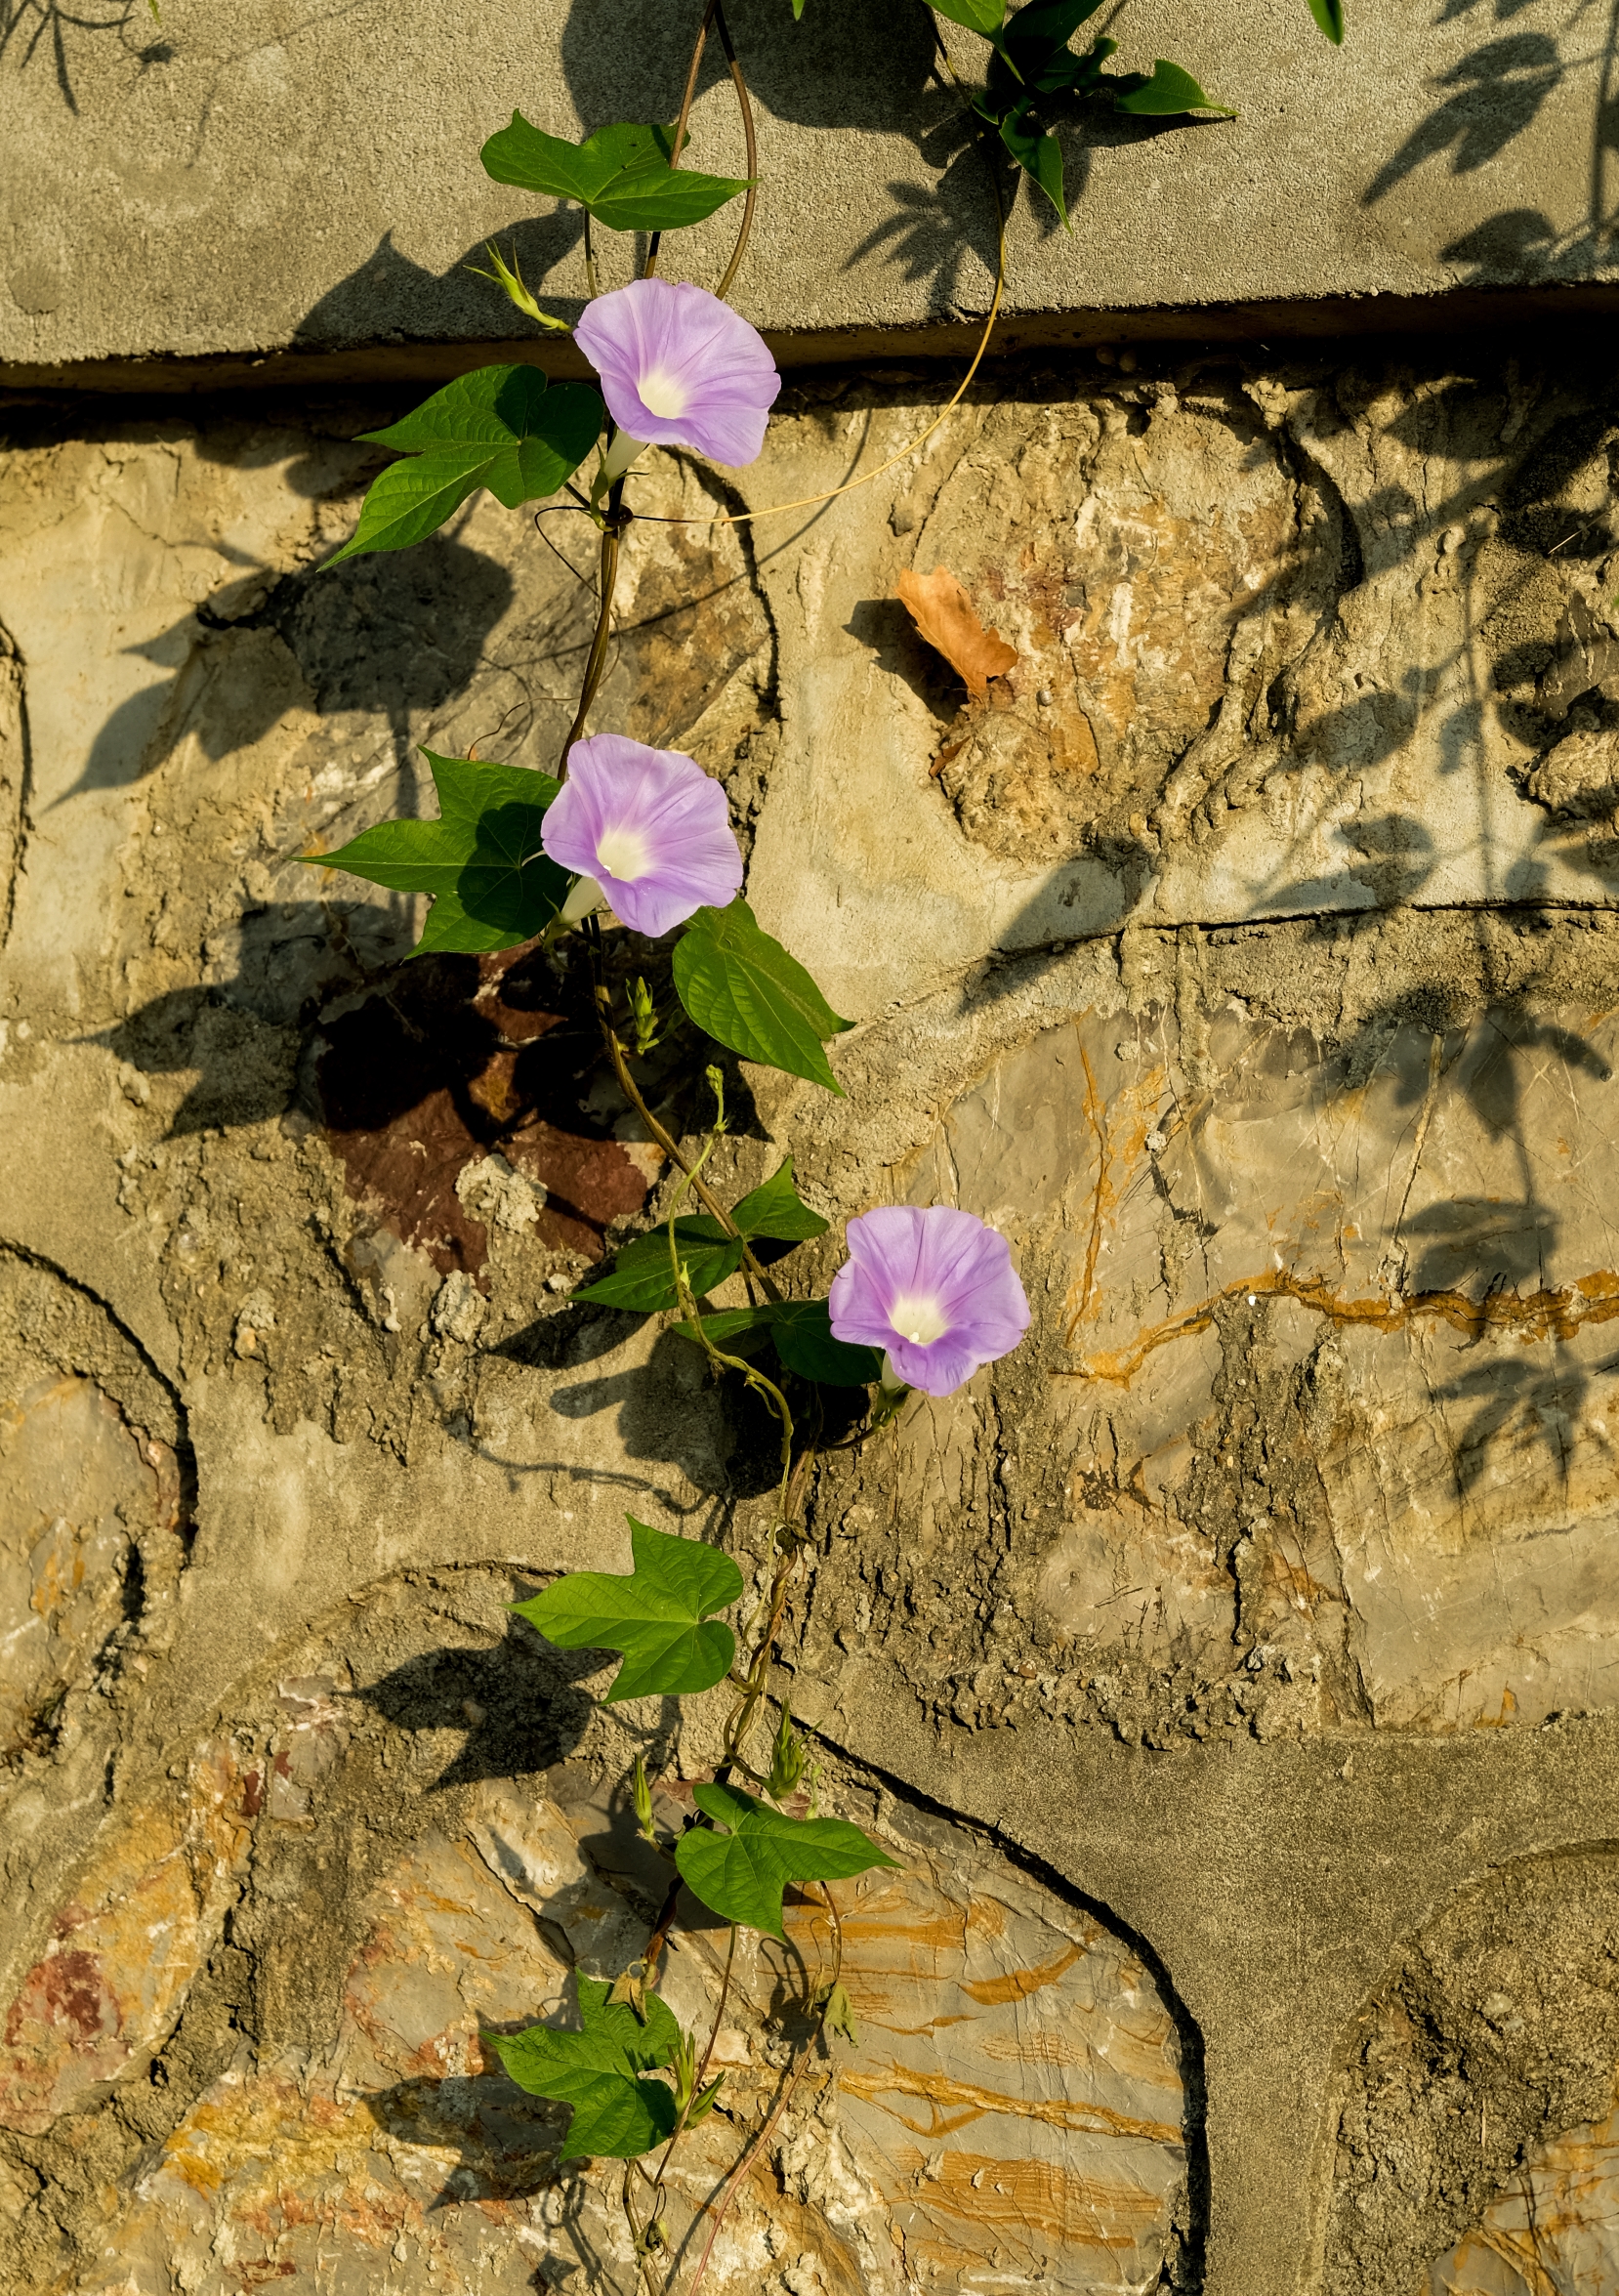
(679, 817)
(694, 345)
(905, 1253)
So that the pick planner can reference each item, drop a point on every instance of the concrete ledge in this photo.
(1470, 318)
(233, 188)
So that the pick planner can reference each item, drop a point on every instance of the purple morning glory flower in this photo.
(934, 1289)
(679, 368)
(648, 827)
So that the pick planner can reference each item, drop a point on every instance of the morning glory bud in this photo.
(678, 368)
(934, 1289)
(646, 830)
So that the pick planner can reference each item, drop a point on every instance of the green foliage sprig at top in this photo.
(623, 839)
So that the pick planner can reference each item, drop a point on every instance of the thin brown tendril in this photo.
(776, 510)
(560, 554)
(671, 1150)
(612, 528)
(702, 2075)
(657, 240)
(741, 87)
(734, 2180)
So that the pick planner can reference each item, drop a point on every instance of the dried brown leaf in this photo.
(944, 612)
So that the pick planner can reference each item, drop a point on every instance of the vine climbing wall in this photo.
(1228, 1671)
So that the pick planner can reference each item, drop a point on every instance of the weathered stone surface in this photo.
(106, 1992)
(1014, 2110)
(1555, 2225)
(95, 1470)
(1208, 1603)
(1318, 1434)
(1287, 646)
(239, 179)
(1479, 2098)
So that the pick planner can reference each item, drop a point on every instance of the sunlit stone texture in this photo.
(1248, 952)
(1014, 2113)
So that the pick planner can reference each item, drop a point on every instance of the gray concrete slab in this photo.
(242, 181)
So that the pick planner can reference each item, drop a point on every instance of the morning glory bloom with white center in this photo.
(645, 830)
(934, 1289)
(678, 368)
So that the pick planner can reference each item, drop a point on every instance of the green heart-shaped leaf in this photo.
(621, 174)
(1039, 155)
(642, 1280)
(744, 990)
(498, 427)
(616, 2114)
(777, 1210)
(1169, 92)
(979, 16)
(802, 1333)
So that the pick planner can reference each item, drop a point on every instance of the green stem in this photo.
(679, 2127)
(670, 1148)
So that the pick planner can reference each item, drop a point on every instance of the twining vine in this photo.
(629, 839)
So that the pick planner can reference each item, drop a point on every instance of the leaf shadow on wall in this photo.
(391, 297)
(1488, 1262)
(1486, 101)
(394, 634)
(516, 1708)
(845, 67)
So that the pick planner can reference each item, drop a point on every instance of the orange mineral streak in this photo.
(1023, 2197)
(1019, 1984)
(1096, 1113)
(952, 2105)
(1539, 1316)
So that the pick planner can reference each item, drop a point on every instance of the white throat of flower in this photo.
(624, 854)
(919, 1318)
(662, 393)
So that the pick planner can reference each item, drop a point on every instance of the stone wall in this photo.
(1228, 1669)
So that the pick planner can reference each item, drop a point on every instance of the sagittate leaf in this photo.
(617, 2115)
(1329, 14)
(778, 1211)
(621, 174)
(660, 1614)
(944, 612)
(498, 427)
(642, 1280)
(492, 886)
(979, 16)
(1039, 156)
(1169, 92)
(744, 990)
(740, 1875)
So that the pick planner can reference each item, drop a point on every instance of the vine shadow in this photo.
(29, 26)
(394, 636)
(390, 291)
(1486, 101)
